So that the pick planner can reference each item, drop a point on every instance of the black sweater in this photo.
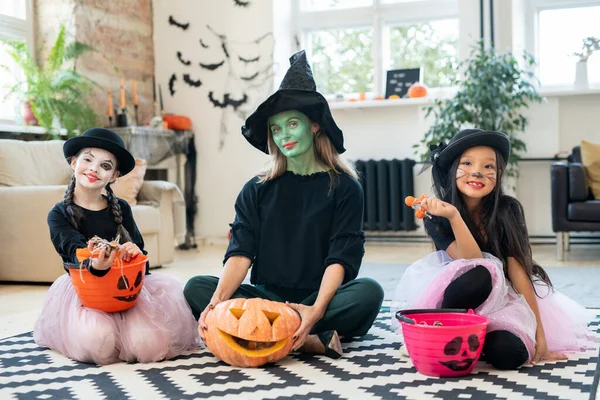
(294, 227)
(66, 239)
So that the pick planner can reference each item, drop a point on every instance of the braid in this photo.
(73, 213)
(113, 203)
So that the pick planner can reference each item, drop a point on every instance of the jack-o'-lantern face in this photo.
(461, 352)
(132, 290)
(250, 332)
(116, 291)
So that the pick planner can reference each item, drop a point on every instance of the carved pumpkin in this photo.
(417, 90)
(250, 332)
(461, 352)
(116, 291)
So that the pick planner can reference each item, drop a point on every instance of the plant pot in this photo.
(581, 74)
(28, 116)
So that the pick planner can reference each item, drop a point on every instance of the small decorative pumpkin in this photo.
(177, 122)
(417, 90)
(116, 291)
(251, 332)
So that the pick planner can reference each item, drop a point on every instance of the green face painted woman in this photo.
(293, 133)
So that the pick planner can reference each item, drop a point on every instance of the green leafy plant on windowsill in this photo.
(492, 95)
(589, 46)
(55, 92)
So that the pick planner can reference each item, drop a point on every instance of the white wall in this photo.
(225, 160)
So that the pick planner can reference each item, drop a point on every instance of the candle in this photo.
(135, 97)
(154, 90)
(160, 98)
(110, 105)
(122, 94)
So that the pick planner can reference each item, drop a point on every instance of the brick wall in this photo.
(120, 31)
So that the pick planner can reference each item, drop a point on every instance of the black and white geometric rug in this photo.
(372, 368)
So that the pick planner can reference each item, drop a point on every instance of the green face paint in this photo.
(292, 133)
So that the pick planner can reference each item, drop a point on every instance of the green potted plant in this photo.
(491, 95)
(54, 93)
(588, 47)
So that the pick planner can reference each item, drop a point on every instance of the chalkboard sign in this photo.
(399, 80)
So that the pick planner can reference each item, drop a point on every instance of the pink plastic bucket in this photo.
(449, 349)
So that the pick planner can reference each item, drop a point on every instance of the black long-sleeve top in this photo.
(294, 227)
(66, 239)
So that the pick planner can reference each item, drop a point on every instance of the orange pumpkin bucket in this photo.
(116, 291)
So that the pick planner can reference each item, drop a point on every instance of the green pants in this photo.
(351, 311)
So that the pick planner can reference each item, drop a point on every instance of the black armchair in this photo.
(573, 206)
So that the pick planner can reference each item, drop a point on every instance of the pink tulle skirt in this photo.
(160, 326)
(565, 321)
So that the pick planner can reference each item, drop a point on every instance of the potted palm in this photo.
(492, 95)
(54, 94)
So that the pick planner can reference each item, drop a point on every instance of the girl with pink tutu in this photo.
(484, 259)
(160, 325)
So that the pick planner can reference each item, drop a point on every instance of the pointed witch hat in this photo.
(297, 91)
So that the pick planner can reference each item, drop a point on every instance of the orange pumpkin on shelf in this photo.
(250, 332)
(177, 122)
(116, 291)
(417, 90)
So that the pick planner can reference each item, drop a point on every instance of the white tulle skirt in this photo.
(160, 326)
(565, 321)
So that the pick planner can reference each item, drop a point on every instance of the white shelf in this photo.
(359, 104)
(557, 91)
(554, 91)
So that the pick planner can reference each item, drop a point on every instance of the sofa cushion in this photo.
(147, 218)
(590, 157)
(127, 187)
(584, 211)
(36, 163)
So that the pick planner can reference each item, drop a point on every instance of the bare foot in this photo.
(335, 344)
(313, 345)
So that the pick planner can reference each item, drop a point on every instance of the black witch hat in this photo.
(102, 139)
(297, 91)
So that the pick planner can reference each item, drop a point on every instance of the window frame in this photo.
(19, 29)
(378, 16)
(532, 27)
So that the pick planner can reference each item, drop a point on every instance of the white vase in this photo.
(581, 74)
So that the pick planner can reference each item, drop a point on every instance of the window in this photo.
(430, 45)
(351, 43)
(560, 34)
(342, 60)
(15, 25)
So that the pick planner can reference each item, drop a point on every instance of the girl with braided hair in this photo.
(160, 325)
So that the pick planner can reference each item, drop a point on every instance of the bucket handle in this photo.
(400, 314)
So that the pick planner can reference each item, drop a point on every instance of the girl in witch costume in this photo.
(484, 259)
(299, 224)
(160, 325)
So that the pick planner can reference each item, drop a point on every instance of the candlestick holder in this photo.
(110, 124)
(122, 120)
(135, 108)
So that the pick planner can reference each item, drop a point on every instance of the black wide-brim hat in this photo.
(102, 139)
(297, 91)
(443, 155)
